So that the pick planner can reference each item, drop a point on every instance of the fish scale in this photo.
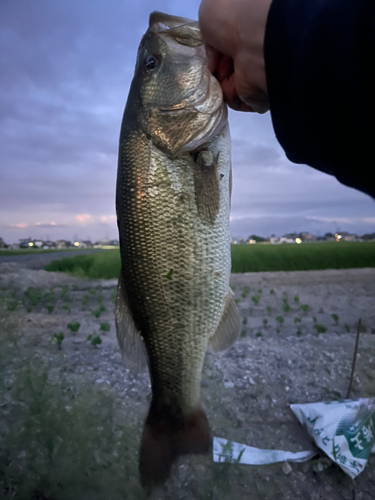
(173, 216)
(165, 233)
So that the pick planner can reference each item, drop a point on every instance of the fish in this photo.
(172, 203)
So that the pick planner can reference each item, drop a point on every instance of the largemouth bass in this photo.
(172, 202)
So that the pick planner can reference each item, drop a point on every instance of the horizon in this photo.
(233, 237)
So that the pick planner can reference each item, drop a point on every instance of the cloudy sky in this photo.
(65, 71)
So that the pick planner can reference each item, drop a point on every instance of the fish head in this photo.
(180, 103)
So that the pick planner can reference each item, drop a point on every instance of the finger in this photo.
(237, 105)
(231, 96)
(257, 101)
(224, 68)
(217, 23)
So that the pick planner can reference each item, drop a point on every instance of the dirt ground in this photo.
(246, 391)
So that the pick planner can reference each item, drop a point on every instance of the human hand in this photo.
(234, 33)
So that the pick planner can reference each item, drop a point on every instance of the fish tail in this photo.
(161, 445)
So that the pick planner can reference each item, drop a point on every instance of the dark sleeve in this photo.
(320, 67)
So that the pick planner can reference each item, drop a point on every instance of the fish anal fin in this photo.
(129, 338)
(229, 326)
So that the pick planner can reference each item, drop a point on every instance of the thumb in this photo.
(258, 102)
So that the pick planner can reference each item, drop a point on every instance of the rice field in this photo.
(304, 257)
(245, 258)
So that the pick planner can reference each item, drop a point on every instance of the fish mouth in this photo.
(181, 30)
(159, 21)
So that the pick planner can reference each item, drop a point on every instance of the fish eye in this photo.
(151, 62)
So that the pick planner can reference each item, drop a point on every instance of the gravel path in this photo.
(247, 390)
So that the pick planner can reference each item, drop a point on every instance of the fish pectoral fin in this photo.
(128, 337)
(206, 184)
(229, 326)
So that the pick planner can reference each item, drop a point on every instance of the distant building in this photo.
(368, 237)
(286, 240)
(79, 244)
(102, 243)
(305, 236)
(49, 244)
(283, 239)
(87, 243)
(345, 236)
(329, 237)
(349, 236)
(291, 236)
(106, 242)
(26, 243)
(63, 244)
(279, 241)
(256, 238)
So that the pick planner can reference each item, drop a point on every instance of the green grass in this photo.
(245, 258)
(25, 251)
(102, 265)
(305, 257)
(61, 440)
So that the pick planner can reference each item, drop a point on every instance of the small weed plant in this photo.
(280, 320)
(73, 326)
(320, 328)
(57, 338)
(255, 298)
(335, 318)
(94, 339)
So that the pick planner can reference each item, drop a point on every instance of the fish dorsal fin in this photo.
(229, 326)
(128, 337)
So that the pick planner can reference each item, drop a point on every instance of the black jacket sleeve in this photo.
(320, 68)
